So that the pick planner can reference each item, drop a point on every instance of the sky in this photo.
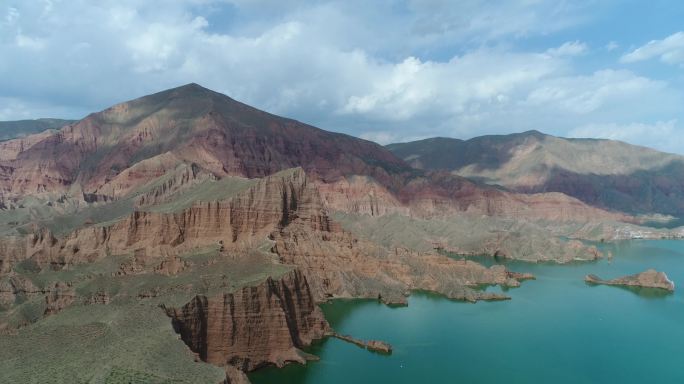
(384, 70)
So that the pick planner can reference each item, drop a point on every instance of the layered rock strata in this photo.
(288, 208)
(237, 223)
(254, 326)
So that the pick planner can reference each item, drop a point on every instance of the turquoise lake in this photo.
(556, 329)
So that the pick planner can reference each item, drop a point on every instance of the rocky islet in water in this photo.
(647, 279)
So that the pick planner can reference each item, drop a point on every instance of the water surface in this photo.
(556, 329)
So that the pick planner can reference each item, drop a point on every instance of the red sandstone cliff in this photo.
(254, 326)
(238, 223)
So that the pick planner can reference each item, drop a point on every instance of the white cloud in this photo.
(625, 132)
(587, 94)
(29, 42)
(381, 137)
(16, 109)
(669, 50)
(389, 137)
(570, 48)
(434, 68)
(611, 46)
(663, 135)
(413, 88)
(12, 15)
(479, 20)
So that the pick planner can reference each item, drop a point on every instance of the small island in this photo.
(647, 279)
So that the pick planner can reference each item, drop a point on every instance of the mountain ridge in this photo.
(199, 126)
(18, 128)
(606, 173)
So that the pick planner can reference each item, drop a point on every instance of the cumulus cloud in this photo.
(478, 20)
(669, 50)
(586, 94)
(415, 88)
(384, 71)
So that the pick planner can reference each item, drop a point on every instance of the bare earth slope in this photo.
(604, 173)
(195, 125)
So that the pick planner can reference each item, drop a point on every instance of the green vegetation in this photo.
(470, 234)
(62, 215)
(209, 190)
(102, 344)
(129, 340)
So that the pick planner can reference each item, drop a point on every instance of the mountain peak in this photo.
(206, 128)
(534, 133)
(190, 89)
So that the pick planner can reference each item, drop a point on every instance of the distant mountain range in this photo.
(19, 128)
(111, 153)
(604, 173)
(191, 124)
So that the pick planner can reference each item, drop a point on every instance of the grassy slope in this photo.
(130, 339)
(65, 217)
(526, 241)
(210, 190)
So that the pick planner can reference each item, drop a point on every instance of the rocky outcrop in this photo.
(13, 286)
(360, 195)
(10, 149)
(235, 376)
(237, 223)
(16, 289)
(254, 326)
(340, 265)
(172, 266)
(647, 279)
(149, 182)
(288, 208)
(59, 296)
(171, 183)
(371, 345)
